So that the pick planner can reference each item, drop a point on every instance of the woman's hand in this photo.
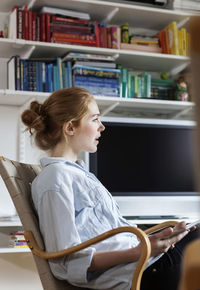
(160, 243)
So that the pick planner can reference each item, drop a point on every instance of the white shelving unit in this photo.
(110, 105)
(14, 250)
(111, 13)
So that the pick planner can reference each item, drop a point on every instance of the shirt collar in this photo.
(45, 161)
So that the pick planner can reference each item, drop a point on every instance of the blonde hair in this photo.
(45, 121)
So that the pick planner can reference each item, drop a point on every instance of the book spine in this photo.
(100, 90)
(34, 76)
(136, 86)
(97, 73)
(19, 23)
(18, 73)
(109, 41)
(47, 23)
(26, 29)
(97, 33)
(57, 27)
(109, 70)
(114, 41)
(97, 84)
(73, 41)
(30, 25)
(180, 46)
(24, 74)
(50, 77)
(69, 20)
(73, 36)
(184, 45)
(124, 82)
(65, 76)
(44, 77)
(42, 27)
(148, 85)
(34, 25)
(97, 79)
(38, 77)
(173, 38)
(130, 93)
(60, 73)
(69, 68)
(103, 36)
(38, 28)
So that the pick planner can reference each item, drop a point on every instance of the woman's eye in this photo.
(96, 119)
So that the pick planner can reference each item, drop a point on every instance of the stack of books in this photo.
(162, 89)
(95, 72)
(17, 240)
(98, 81)
(143, 43)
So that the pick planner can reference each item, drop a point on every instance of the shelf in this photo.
(14, 250)
(135, 59)
(155, 18)
(108, 105)
(10, 224)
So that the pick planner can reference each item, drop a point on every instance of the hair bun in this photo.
(36, 107)
(34, 117)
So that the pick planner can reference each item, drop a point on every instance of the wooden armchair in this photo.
(18, 177)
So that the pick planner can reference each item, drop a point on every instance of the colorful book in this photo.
(173, 38)
(138, 47)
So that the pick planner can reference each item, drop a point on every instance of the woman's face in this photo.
(86, 136)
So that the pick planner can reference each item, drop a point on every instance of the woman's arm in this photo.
(159, 244)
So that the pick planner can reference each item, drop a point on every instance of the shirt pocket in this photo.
(86, 196)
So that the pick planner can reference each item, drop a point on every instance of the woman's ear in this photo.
(68, 128)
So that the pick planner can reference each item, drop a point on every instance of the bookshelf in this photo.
(102, 11)
(110, 105)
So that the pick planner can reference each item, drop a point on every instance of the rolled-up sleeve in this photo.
(57, 223)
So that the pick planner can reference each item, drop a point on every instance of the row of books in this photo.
(17, 240)
(61, 26)
(48, 76)
(170, 40)
(96, 73)
(174, 41)
(72, 27)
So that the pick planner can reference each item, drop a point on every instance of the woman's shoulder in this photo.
(57, 170)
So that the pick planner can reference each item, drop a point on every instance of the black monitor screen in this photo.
(143, 159)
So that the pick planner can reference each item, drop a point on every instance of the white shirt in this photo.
(73, 206)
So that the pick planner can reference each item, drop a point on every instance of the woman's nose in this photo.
(102, 127)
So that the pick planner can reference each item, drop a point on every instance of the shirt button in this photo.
(154, 270)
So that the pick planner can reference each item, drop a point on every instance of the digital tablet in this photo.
(188, 227)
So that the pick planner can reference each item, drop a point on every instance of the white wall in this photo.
(8, 148)
(18, 271)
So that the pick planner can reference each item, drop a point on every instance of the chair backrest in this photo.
(18, 178)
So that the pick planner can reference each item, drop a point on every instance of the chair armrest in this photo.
(161, 226)
(146, 249)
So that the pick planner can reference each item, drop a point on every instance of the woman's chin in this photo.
(93, 150)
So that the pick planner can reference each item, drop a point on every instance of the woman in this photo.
(73, 206)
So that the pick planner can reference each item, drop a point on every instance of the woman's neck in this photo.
(62, 150)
